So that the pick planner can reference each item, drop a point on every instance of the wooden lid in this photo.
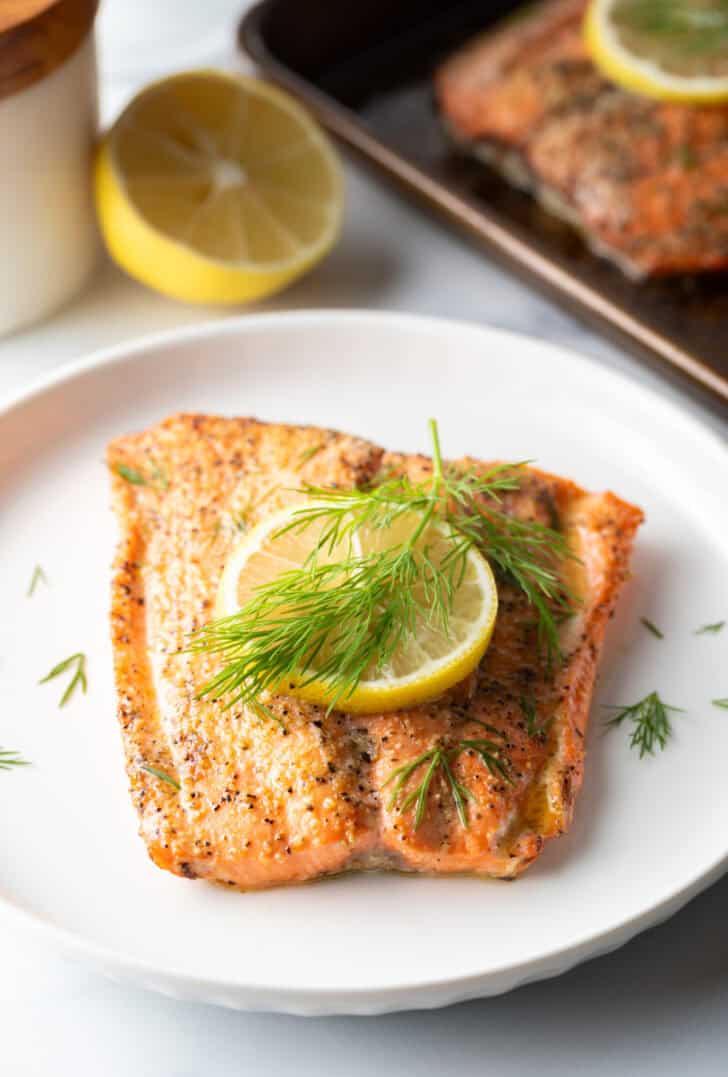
(38, 35)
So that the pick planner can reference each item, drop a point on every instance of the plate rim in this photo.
(294, 998)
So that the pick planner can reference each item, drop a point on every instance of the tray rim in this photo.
(689, 371)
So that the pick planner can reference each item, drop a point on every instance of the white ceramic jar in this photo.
(48, 118)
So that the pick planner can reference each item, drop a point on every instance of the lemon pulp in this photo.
(676, 50)
(215, 188)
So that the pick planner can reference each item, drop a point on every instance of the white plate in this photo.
(648, 834)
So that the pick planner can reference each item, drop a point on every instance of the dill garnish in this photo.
(79, 676)
(158, 475)
(162, 775)
(241, 517)
(131, 475)
(348, 616)
(9, 759)
(534, 728)
(679, 31)
(138, 478)
(652, 628)
(720, 703)
(652, 726)
(440, 757)
(685, 156)
(262, 711)
(307, 455)
(37, 577)
(714, 628)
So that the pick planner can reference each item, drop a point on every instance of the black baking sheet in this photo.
(365, 68)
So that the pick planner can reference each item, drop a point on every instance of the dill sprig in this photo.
(158, 475)
(534, 727)
(10, 759)
(344, 614)
(652, 628)
(688, 29)
(137, 478)
(162, 775)
(652, 727)
(308, 454)
(713, 629)
(38, 576)
(131, 474)
(440, 757)
(78, 680)
(723, 703)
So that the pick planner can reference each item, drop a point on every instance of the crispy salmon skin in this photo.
(254, 803)
(645, 181)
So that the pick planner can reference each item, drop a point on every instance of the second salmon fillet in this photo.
(645, 181)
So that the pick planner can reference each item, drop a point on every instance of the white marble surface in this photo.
(656, 1007)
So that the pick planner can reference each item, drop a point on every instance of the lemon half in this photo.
(427, 665)
(675, 50)
(215, 188)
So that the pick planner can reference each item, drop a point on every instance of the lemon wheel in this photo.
(214, 188)
(426, 665)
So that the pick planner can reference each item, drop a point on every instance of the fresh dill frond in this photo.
(343, 614)
(534, 727)
(490, 755)
(138, 478)
(652, 727)
(158, 475)
(720, 703)
(78, 680)
(682, 30)
(401, 775)
(718, 626)
(439, 757)
(345, 617)
(131, 474)
(308, 454)
(38, 576)
(162, 775)
(262, 711)
(10, 759)
(685, 156)
(652, 628)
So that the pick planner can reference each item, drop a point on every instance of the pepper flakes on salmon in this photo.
(262, 803)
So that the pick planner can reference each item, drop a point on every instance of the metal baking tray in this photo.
(365, 69)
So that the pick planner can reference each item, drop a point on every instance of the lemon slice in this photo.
(214, 188)
(676, 50)
(422, 669)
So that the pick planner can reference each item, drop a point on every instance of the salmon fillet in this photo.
(260, 804)
(645, 181)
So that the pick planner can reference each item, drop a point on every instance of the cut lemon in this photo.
(676, 50)
(423, 668)
(214, 188)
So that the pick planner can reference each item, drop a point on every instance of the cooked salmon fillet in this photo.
(261, 804)
(645, 181)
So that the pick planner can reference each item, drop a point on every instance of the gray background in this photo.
(657, 1006)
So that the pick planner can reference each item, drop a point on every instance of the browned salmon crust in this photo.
(645, 181)
(259, 805)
